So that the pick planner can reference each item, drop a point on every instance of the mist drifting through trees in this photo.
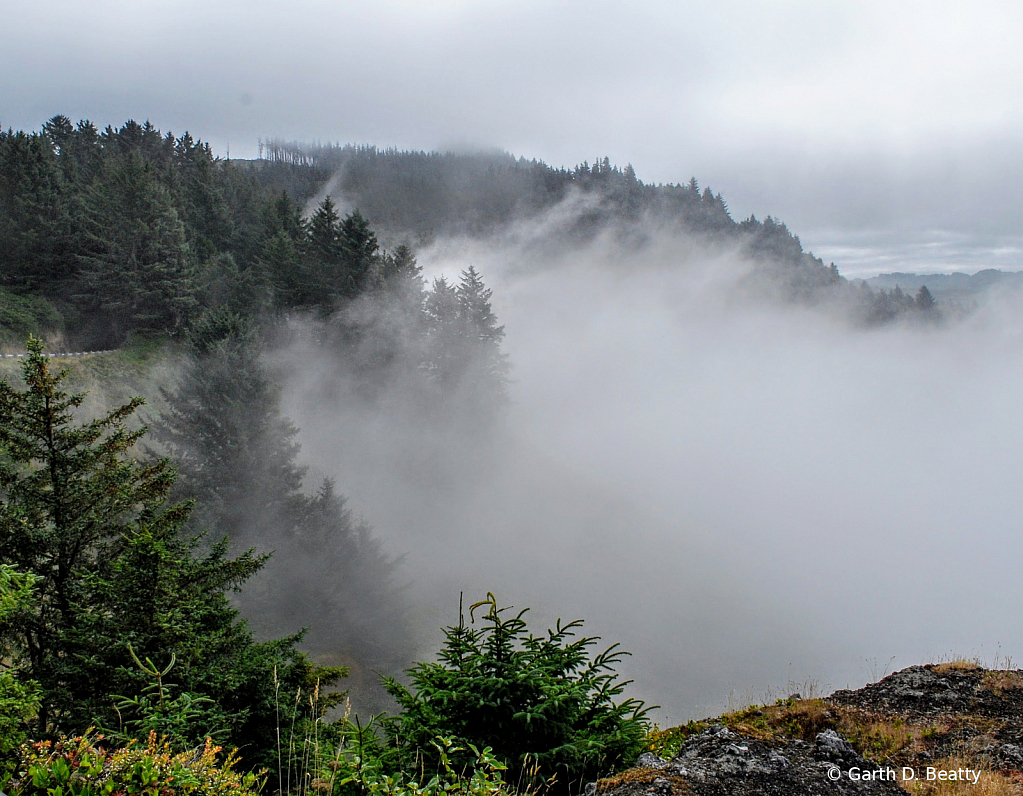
(744, 493)
(411, 375)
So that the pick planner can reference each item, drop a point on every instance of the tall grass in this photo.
(317, 756)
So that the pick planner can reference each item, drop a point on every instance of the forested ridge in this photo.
(425, 195)
(85, 213)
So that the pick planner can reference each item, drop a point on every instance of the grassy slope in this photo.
(142, 367)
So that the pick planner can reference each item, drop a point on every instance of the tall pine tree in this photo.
(115, 577)
(238, 461)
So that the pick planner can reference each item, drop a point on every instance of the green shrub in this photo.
(79, 767)
(534, 700)
(177, 719)
(355, 766)
(18, 700)
(480, 777)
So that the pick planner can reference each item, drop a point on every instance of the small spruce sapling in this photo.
(540, 700)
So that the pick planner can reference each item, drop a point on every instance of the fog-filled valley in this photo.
(743, 492)
(390, 392)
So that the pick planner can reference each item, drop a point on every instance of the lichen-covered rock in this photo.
(720, 762)
(833, 747)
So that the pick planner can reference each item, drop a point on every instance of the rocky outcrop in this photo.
(935, 724)
(942, 689)
(721, 762)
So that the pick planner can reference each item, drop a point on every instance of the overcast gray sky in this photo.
(885, 134)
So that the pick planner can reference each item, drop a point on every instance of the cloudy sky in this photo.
(886, 134)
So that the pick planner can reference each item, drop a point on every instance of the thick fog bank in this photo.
(741, 494)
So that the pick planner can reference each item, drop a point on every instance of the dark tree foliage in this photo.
(433, 353)
(359, 247)
(446, 341)
(463, 340)
(235, 451)
(280, 258)
(341, 585)
(426, 194)
(237, 455)
(886, 306)
(37, 213)
(281, 262)
(115, 579)
(403, 289)
(200, 191)
(380, 338)
(485, 335)
(343, 256)
(138, 270)
(400, 272)
(18, 694)
(325, 233)
(125, 229)
(224, 284)
(542, 699)
(282, 215)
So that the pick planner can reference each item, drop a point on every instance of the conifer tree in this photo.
(18, 696)
(235, 451)
(237, 455)
(322, 283)
(324, 232)
(490, 363)
(200, 197)
(283, 215)
(281, 262)
(463, 341)
(474, 302)
(381, 337)
(113, 576)
(400, 273)
(359, 248)
(37, 212)
(445, 345)
(68, 497)
(542, 701)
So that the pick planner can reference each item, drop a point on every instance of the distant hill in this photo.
(415, 197)
(948, 287)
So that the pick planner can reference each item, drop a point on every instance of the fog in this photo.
(743, 494)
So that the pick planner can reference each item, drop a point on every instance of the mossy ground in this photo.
(641, 780)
